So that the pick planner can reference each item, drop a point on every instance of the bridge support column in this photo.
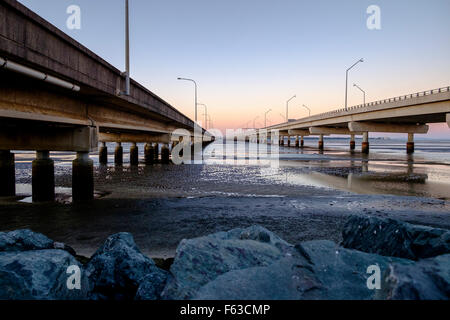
(156, 153)
(82, 178)
(365, 143)
(321, 142)
(43, 177)
(282, 141)
(103, 154)
(118, 154)
(302, 142)
(165, 154)
(149, 154)
(352, 142)
(410, 143)
(7, 174)
(289, 141)
(134, 154)
(297, 144)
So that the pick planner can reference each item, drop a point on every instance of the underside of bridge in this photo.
(57, 95)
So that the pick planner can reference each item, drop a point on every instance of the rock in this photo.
(389, 237)
(38, 274)
(117, 268)
(151, 286)
(25, 239)
(201, 260)
(286, 279)
(315, 270)
(428, 279)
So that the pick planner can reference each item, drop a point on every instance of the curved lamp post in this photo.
(265, 118)
(206, 114)
(195, 83)
(287, 107)
(309, 110)
(364, 93)
(346, 80)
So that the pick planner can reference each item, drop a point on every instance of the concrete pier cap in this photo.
(387, 127)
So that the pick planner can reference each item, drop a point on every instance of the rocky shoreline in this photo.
(413, 262)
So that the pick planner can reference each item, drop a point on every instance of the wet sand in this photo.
(307, 197)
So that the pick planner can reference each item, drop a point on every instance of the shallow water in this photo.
(305, 197)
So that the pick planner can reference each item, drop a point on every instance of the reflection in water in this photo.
(393, 172)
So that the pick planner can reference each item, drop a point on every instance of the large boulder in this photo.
(117, 269)
(201, 260)
(25, 239)
(39, 274)
(428, 279)
(315, 270)
(389, 237)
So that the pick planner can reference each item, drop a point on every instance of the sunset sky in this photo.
(251, 55)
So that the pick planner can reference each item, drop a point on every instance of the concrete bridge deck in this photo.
(408, 114)
(57, 95)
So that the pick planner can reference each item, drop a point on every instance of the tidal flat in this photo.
(308, 197)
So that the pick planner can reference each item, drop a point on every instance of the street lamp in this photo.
(265, 118)
(209, 120)
(287, 106)
(254, 122)
(127, 53)
(206, 114)
(364, 93)
(346, 80)
(186, 79)
(309, 110)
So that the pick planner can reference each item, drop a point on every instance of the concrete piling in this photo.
(156, 153)
(7, 174)
(43, 177)
(118, 154)
(103, 154)
(365, 143)
(82, 178)
(165, 153)
(321, 142)
(410, 144)
(134, 154)
(352, 142)
(149, 154)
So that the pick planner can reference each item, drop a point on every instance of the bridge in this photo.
(407, 114)
(57, 95)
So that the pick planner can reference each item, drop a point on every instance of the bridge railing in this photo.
(379, 102)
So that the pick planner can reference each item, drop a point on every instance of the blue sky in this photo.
(251, 55)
